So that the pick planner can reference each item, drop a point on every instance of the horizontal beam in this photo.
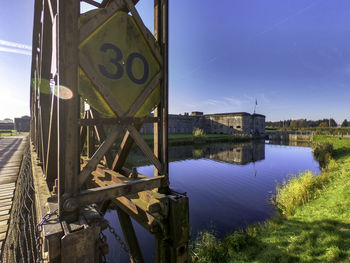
(133, 205)
(114, 121)
(109, 192)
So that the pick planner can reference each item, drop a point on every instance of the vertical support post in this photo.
(157, 111)
(165, 82)
(45, 98)
(69, 107)
(90, 138)
(101, 136)
(161, 129)
(173, 246)
(35, 43)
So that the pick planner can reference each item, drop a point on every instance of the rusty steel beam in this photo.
(116, 121)
(99, 194)
(69, 108)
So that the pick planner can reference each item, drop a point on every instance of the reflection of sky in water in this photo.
(227, 196)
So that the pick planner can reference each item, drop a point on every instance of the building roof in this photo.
(235, 114)
(219, 114)
(260, 115)
(6, 121)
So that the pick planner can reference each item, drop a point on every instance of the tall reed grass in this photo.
(323, 152)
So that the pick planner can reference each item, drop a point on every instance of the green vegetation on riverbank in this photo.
(313, 224)
(183, 138)
(336, 131)
(5, 133)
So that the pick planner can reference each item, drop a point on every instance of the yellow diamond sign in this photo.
(123, 61)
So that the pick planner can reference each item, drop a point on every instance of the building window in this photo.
(238, 127)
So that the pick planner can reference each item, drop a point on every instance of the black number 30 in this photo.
(119, 70)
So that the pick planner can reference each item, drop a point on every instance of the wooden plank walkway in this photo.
(11, 154)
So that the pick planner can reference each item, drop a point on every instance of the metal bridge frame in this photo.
(69, 181)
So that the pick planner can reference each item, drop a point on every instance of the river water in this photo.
(228, 186)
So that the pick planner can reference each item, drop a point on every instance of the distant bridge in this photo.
(292, 136)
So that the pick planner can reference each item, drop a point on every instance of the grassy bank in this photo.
(183, 139)
(5, 133)
(313, 224)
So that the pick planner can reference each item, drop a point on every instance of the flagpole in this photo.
(256, 103)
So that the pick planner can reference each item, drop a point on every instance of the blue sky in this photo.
(293, 56)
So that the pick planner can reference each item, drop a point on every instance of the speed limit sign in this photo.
(123, 61)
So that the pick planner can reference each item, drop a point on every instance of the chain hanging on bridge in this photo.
(122, 244)
(39, 239)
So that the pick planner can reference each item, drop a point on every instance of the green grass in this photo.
(6, 133)
(316, 227)
(185, 138)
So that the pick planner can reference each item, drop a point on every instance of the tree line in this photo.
(304, 123)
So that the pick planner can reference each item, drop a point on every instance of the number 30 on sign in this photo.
(120, 55)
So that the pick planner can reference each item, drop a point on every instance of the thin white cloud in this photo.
(13, 50)
(233, 101)
(15, 45)
(211, 102)
(190, 105)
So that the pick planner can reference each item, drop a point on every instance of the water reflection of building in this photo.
(236, 153)
(242, 153)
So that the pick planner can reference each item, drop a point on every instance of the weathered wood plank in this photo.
(8, 186)
(2, 236)
(6, 194)
(4, 212)
(5, 197)
(7, 190)
(3, 222)
(3, 228)
(6, 207)
(4, 217)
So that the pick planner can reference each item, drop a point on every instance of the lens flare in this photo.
(62, 92)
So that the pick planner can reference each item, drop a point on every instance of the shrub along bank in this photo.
(312, 223)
